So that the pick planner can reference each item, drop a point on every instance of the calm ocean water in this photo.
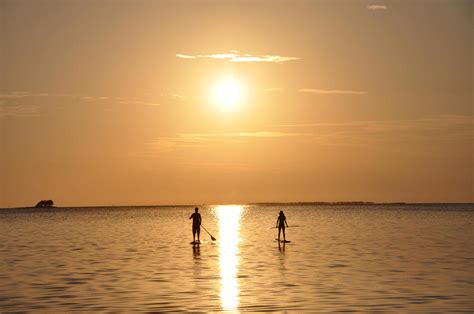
(341, 258)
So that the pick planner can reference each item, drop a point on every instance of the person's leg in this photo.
(194, 234)
(279, 231)
(199, 232)
(284, 237)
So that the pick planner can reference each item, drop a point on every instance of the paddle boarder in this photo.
(280, 224)
(197, 224)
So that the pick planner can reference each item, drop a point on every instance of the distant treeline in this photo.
(356, 203)
(49, 204)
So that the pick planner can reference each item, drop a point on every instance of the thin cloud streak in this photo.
(185, 56)
(261, 134)
(331, 91)
(436, 128)
(17, 104)
(17, 95)
(195, 140)
(377, 7)
(18, 110)
(138, 102)
(443, 128)
(237, 57)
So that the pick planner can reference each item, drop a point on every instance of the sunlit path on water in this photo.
(229, 230)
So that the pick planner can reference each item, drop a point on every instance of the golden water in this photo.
(396, 258)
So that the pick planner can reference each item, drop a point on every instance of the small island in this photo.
(45, 203)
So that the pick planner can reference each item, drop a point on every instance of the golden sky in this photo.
(190, 102)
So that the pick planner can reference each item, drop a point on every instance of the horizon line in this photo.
(327, 203)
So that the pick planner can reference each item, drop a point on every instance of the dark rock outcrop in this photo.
(47, 203)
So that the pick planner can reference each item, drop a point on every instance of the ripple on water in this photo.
(340, 259)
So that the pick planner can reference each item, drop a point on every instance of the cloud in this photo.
(12, 104)
(234, 56)
(169, 144)
(259, 134)
(18, 110)
(88, 98)
(138, 102)
(273, 89)
(377, 7)
(427, 123)
(331, 91)
(390, 134)
(185, 56)
(435, 128)
(17, 104)
(18, 95)
(194, 140)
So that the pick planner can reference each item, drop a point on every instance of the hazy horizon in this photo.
(290, 203)
(211, 102)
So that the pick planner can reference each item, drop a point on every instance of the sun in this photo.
(227, 93)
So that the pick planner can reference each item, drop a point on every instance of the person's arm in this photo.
(191, 216)
(200, 219)
(286, 222)
(278, 219)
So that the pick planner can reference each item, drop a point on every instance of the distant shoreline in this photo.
(350, 203)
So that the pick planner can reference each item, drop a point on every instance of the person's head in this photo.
(281, 213)
(196, 209)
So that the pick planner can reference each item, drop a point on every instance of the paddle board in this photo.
(283, 241)
(198, 242)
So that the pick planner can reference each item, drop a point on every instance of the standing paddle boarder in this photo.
(281, 222)
(196, 224)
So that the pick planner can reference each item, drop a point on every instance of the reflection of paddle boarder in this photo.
(280, 224)
(196, 251)
(281, 247)
(196, 224)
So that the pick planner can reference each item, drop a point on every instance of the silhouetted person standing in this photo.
(196, 224)
(281, 222)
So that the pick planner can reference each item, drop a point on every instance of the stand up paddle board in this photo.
(198, 242)
(283, 241)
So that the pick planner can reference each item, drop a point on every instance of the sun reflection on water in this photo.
(229, 231)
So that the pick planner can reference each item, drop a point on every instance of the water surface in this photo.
(341, 258)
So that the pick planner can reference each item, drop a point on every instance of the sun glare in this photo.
(229, 231)
(227, 94)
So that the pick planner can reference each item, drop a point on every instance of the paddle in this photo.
(212, 238)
